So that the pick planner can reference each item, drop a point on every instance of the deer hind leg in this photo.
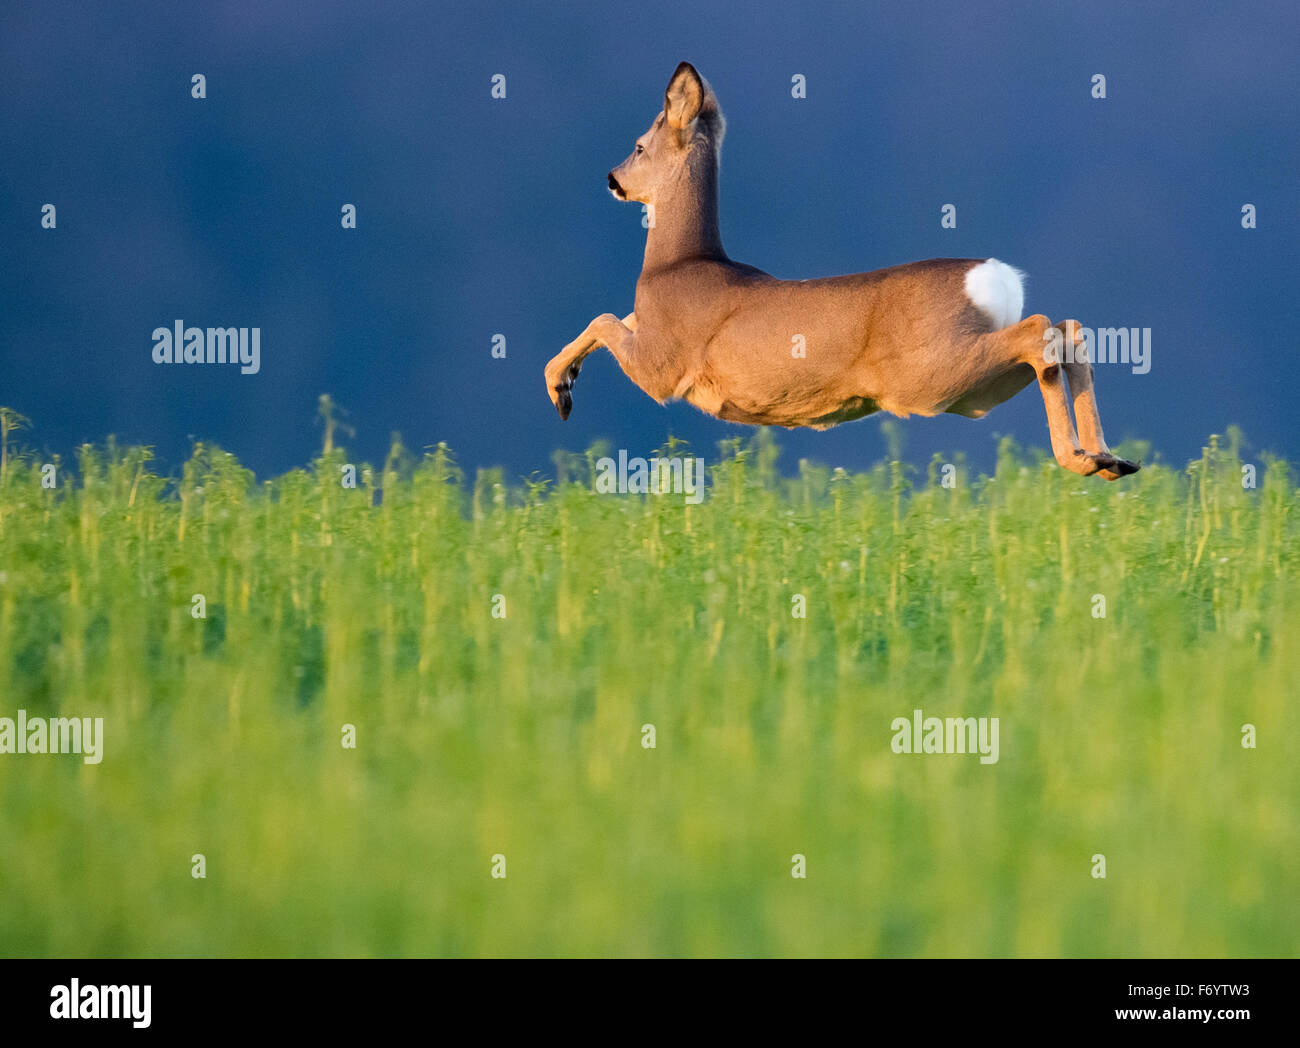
(1078, 371)
(563, 368)
(1029, 342)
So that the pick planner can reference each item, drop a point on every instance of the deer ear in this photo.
(684, 97)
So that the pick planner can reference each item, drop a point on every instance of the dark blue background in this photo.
(479, 216)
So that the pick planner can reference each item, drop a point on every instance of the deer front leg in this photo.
(562, 370)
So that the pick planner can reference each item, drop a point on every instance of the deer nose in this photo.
(614, 187)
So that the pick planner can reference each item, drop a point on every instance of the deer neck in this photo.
(686, 219)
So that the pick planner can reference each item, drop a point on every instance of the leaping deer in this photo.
(944, 335)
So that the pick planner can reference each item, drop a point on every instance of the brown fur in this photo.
(720, 334)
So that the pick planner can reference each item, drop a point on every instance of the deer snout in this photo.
(615, 188)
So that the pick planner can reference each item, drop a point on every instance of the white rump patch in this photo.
(997, 290)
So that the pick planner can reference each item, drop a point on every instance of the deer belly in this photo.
(793, 415)
(819, 407)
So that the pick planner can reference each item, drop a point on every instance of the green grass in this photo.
(522, 736)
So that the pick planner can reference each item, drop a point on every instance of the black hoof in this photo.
(1112, 468)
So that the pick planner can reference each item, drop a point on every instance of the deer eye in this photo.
(639, 149)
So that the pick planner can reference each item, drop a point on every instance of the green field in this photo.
(522, 736)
